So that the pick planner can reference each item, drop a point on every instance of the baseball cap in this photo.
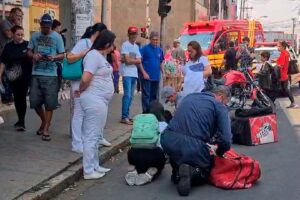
(166, 92)
(46, 20)
(133, 30)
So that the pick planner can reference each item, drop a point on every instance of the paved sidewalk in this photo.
(26, 160)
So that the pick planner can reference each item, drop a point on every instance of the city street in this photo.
(279, 163)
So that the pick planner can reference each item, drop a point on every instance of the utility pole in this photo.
(103, 11)
(247, 9)
(241, 7)
(208, 12)
(148, 19)
(293, 32)
(220, 9)
(3, 9)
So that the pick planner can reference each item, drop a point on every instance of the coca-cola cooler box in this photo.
(254, 130)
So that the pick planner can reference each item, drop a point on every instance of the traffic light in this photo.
(164, 8)
(143, 32)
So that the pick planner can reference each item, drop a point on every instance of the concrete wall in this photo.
(125, 13)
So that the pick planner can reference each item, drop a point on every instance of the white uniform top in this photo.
(101, 84)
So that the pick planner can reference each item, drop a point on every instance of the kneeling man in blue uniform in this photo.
(200, 120)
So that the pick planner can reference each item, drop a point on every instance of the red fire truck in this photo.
(214, 36)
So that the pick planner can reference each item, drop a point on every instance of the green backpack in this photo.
(145, 131)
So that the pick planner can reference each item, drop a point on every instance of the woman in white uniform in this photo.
(96, 90)
(196, 70)
(78, 52)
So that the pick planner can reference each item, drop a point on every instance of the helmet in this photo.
(133, 30)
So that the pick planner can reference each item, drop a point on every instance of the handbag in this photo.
(14, 72)
(293, 67)
(73, 71)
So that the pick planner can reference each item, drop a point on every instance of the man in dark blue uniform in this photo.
(201, 119)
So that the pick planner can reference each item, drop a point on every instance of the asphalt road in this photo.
(280, 176)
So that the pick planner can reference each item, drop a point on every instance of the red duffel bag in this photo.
(234, 171)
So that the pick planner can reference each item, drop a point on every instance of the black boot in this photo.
(184, 184)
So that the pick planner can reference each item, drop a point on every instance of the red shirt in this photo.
(116, 57)
(283, 62)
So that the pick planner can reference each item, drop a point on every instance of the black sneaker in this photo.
(184, 184)
(17, 124)
(21, 128)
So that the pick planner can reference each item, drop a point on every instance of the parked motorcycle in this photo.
(244, 90)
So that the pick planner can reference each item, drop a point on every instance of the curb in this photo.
(54, 185)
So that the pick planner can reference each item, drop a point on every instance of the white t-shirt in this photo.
(193, 75)
(80, 46)
(161, 126)
(133, 51)
(101, 84)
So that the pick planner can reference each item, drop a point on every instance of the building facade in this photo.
(40, 7)
(118, 15)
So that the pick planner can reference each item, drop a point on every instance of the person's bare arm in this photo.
(58, 57)
(207, 71)
(1, 71)
(85, 81)
(131, 61)
(34, 56)
(71, 57)
(144, 73)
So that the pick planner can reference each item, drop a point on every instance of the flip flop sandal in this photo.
(126, 121)
(39, 132)
(46, 138)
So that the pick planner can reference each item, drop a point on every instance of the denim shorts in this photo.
(43, 91)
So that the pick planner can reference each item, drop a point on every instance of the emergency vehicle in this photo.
(214, 36)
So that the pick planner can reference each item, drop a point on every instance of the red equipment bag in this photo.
(234, 171)
(254, 130)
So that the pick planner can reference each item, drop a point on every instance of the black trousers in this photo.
(143, 159)
(287, 90)
(20, 89)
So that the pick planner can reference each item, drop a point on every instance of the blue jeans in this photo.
(129, 84)
(149, 93)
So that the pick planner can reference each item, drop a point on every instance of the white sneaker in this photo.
(105, 143)
(102, 169)
(94, 175)
(79, 151)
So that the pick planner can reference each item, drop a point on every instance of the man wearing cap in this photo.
(15, 18)
(45, 48)
(201, 119)
(151, 68)
(131, 59)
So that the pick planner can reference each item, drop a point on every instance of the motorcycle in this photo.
(244, 89)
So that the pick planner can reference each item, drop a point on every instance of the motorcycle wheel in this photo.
(263, 101)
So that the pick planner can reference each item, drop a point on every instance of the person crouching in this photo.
(146, 157)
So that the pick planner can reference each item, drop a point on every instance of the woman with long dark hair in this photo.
(283, 63)
(18, 69)
(96, 90)
(78, 52)
(195, 70)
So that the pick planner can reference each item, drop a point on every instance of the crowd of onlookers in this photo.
(36, 66)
